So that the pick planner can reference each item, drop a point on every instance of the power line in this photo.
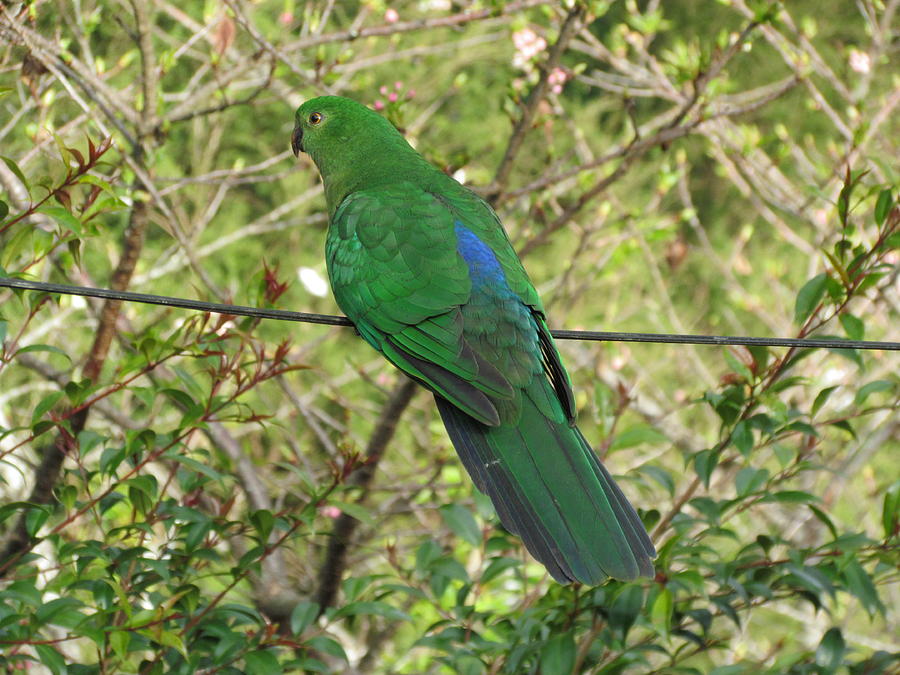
(332, 320)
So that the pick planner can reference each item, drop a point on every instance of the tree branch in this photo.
(336, 555)
(569, 28)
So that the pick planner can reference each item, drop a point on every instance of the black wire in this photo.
(331, 320)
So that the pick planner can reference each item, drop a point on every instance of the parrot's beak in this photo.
(297, 140)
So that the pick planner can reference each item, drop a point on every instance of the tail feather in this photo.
(626, 516)
(515, 514)
(549, 487)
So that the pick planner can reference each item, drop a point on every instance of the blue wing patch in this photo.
(483, 264)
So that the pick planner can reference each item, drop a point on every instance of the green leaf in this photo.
(809, 297)
(871, 388)
(824, 519)
(263, 521)
(461, 522)
(728, 404)
(625, 609)
(449, 568)
(4, 209)
(119, 641)
(427, 553)
(12, 508)
(792, 497)
(90, 179)
(45, 404)
(821, 398)
(467, 664)
(376, 608)
(44, 348)
(168, 638)
(811, 579)
(49, 611)
(661, 476)
(784, 454)
(742, 437)
(846, 426)
(860, 584)
(750, 479)
(261, 662)
(303, 615)
(636, 435)
(853, 326)
(327, 645)
(17, 171)
(661, 612)
(705, 462)
(199, 467)
(839, 268)
(497, 566)
(52, 659)
(883, 206)
(830, 652)
(35, 518)
(737, 366)
(890, 513)
(852, 355)
(65, 219)
(558, 655)
(361, 513)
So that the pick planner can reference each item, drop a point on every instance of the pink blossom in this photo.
(861, 62)
(286, 18)
(330, 511)
(528, 44)
(392, 97)
(556, 79)
(398, 85)
(391, 15)
(382, 90)
(378, 105)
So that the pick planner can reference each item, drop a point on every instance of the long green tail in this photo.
(549, 487)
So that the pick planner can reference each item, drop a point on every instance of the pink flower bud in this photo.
(391, 16)
(330, 511)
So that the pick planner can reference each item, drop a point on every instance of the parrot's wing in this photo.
(396, 272)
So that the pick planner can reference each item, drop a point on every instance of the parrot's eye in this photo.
(315, 118)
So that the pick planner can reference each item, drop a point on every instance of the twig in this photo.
(505, 9)
(571, 26)
(336, 555)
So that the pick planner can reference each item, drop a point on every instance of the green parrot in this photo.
(423, 268)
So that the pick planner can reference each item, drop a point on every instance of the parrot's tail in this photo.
(549, 487)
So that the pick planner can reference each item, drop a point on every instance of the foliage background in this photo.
(188, 493)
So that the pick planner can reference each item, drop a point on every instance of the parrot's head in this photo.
(330, 125)
(352, 145)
